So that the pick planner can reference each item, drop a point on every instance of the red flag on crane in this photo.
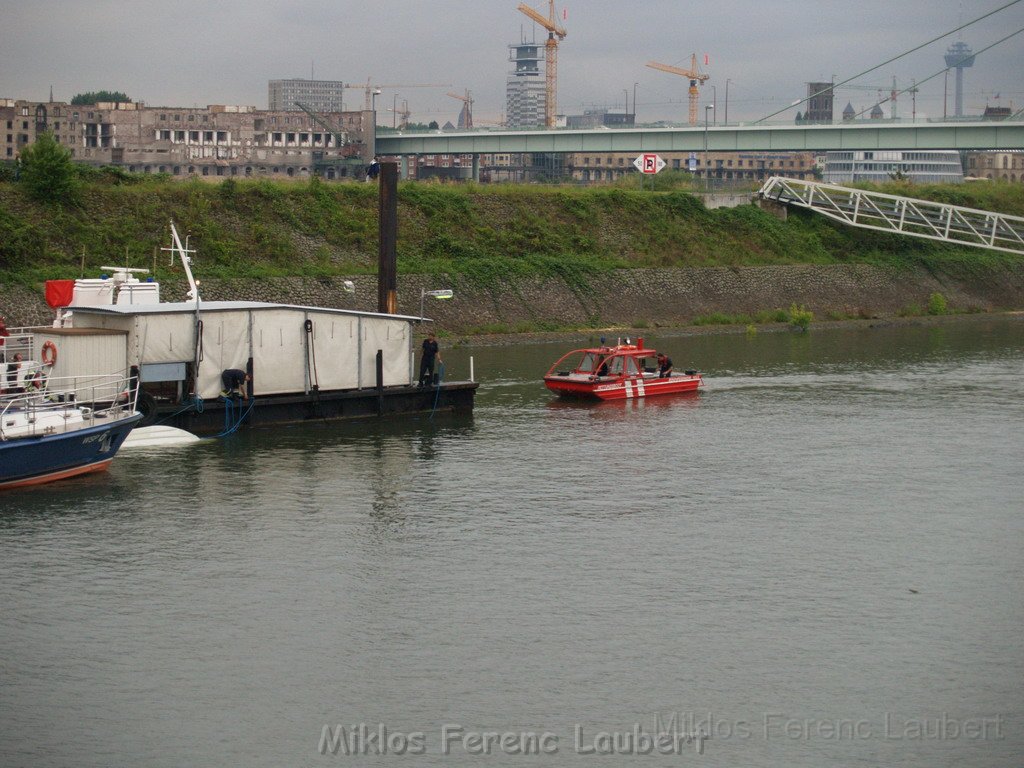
(705, 59)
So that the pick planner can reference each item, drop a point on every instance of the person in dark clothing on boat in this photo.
(234, 381)
(430, 353)
(603, 368)
(4, 333)
(12, 386)
(664, 365)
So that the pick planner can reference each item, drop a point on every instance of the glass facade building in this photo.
(932, 166)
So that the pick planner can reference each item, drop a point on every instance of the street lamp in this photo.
(373, 106)
(707, 168)
(394, 112)
(945, 90)
(625, 92)
(727, 101)
(441, 293)
(634, 102)
(714, 100)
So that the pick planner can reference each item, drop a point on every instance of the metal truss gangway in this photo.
(905, 215)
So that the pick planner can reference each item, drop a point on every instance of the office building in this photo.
(318, 95)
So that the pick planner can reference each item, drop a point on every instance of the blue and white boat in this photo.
(55, 428)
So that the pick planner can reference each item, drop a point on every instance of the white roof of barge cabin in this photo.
(178, 307)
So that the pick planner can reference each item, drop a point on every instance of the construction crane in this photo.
(340, 138)
(404, 113)
(550, 56)
(695, 75)
(466, 116)
(369, 88)
(880, 89)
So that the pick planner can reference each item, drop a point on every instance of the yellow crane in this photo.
(695, 76)
(466, 118)
(550, 55)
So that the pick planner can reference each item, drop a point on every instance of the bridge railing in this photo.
(904, 215)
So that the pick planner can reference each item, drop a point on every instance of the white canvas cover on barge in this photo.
(292, 347)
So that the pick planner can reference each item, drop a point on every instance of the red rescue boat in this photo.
(623, 371)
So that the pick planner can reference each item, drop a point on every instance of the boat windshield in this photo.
(588, 364)
(631, 368)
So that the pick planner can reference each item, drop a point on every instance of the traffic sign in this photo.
(649, 162)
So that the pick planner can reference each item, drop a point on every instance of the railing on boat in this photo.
(63, 404)
(20, 341)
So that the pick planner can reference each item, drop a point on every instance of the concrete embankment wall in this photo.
(669, 296)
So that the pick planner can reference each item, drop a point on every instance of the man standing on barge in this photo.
(430, 353)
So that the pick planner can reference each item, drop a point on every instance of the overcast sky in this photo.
(199, 52)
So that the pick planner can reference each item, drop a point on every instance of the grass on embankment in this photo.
(245, 228)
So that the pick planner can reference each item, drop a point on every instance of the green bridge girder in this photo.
(787, 138)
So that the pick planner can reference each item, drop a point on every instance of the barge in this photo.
(300, 362)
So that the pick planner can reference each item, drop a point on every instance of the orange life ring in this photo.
(49, 353)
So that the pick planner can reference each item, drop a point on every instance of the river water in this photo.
(815, 562)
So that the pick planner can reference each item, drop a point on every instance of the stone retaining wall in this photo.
(669, 296)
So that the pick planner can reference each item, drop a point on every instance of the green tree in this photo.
(47, 171)
(95, 97)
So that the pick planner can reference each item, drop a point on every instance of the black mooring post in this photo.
(387, 260)
(380, 382)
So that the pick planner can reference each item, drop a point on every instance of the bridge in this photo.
(946, 223)
(742, 138)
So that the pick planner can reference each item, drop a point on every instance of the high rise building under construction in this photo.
(524, 89)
